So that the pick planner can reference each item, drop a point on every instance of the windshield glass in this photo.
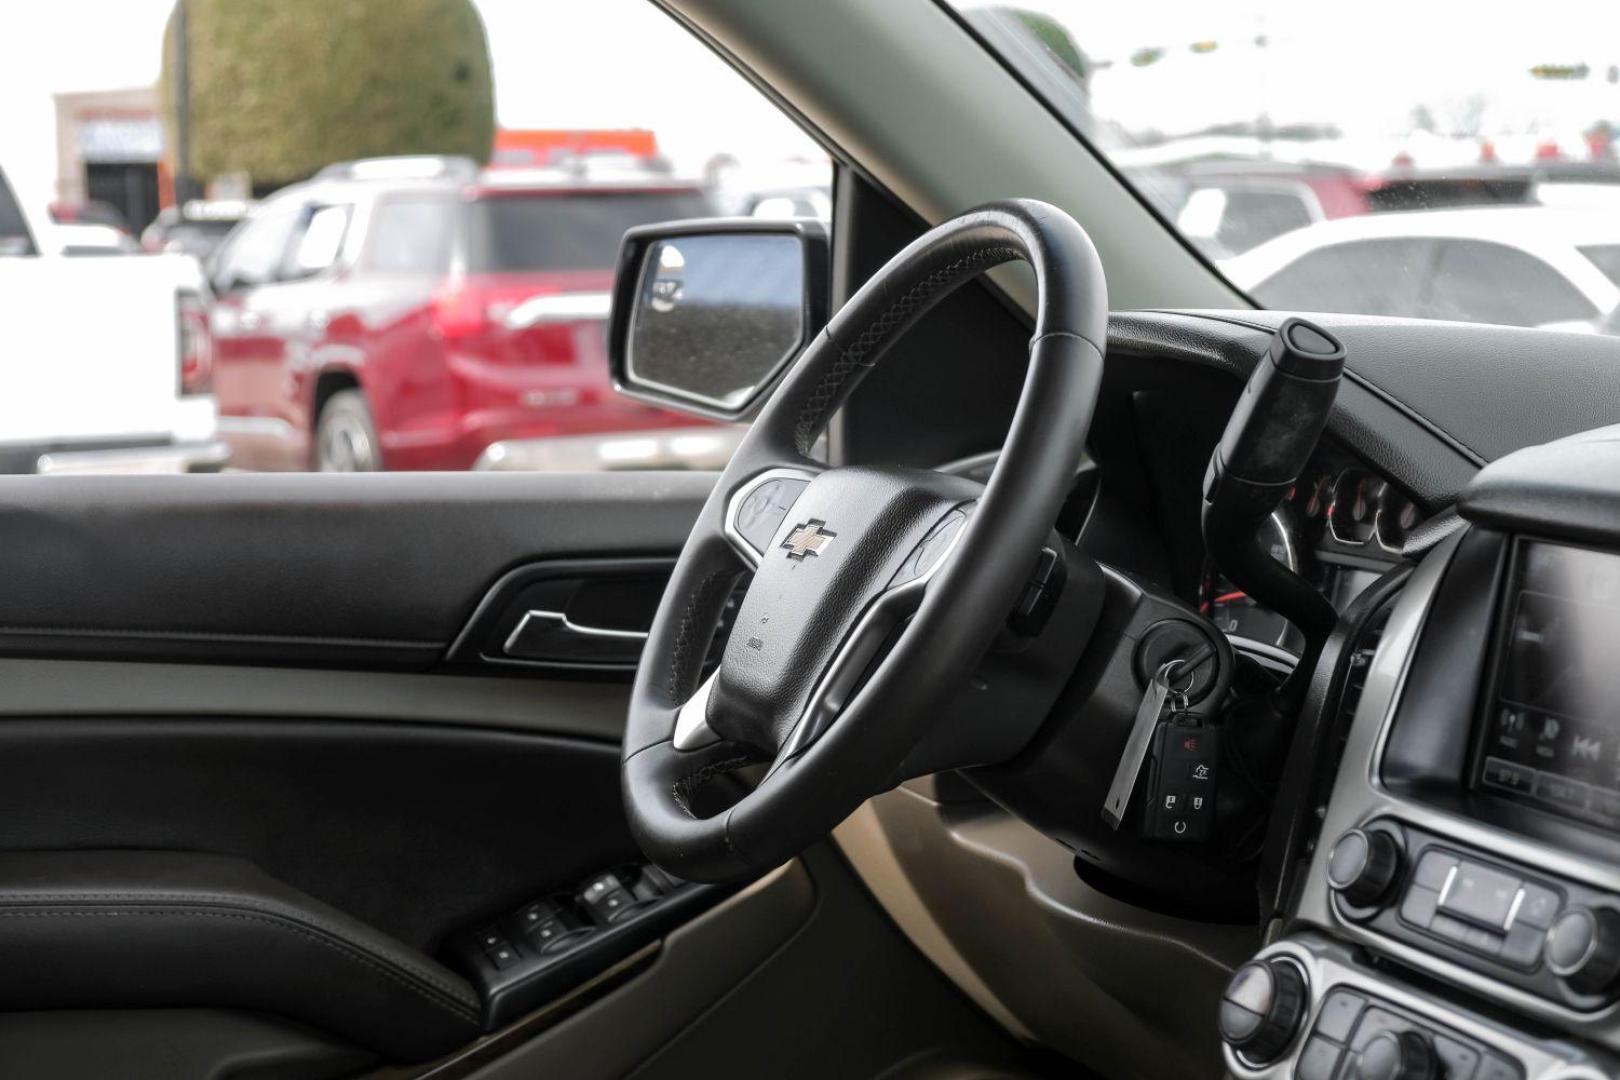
(1396, 158)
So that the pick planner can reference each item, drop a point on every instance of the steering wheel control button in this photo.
(932, 548)
(1392, 1055)
(762, 510)
(1583, 949)
(1262, 1009)
(1363, 865)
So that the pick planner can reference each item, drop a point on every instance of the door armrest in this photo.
(164, 929)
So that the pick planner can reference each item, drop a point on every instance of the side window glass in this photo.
(1478, 281)
(254, 255)
(472, 175)
(411, 236)
(317, 245)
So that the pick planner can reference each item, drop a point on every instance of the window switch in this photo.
(545, 932)
(598, 886)
(503, 954)
(613, 905)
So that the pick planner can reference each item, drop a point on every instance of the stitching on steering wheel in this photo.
(681, 655)
(687, 786)
(813, 415)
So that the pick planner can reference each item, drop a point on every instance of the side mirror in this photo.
(708, 314)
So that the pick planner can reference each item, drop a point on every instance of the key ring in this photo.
(1165, 671)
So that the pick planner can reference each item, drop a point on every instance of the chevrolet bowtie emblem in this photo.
(807, 539)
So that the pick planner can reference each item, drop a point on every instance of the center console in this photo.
(1458, 915)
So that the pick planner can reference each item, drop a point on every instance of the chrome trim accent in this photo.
(843, 672)
(172, 458)
(658, 448)
(568, 626)
(1274, 657)
(692, 730)
(558, 307)
(1513, 909)
(1445, 889)
(1328, 964)
(734, 504)
(259, 427)
(1359, 796)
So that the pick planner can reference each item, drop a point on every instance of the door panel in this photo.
(333, 571)
(416, 830)
(257, 667)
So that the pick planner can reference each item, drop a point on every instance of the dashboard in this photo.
(1459, 916)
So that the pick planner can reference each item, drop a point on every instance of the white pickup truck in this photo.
(105, 362)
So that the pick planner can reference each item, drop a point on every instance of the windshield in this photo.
(1394, 158)
(567, 232)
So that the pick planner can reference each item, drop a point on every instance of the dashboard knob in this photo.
(1362, 865)
(1397, 1055)
(1262, 1009)
(1583, 948)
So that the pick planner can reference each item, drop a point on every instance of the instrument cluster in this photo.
(1340, 528)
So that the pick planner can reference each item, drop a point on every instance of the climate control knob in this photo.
(1262, 1009)
(1583, 949)
(1396, 1055)
(1362, 865)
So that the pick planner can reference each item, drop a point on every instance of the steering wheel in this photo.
(875, 591)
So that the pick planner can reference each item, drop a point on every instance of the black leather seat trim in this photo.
(157, 929)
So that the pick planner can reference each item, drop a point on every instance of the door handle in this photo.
(552, 635)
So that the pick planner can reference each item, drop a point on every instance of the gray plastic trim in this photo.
(998, 908)
(49, 688)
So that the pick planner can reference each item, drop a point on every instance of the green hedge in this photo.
(280, 89)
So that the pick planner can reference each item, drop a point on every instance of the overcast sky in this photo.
(619, 63)
(557, 64)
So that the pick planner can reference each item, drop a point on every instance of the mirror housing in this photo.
(708, 314)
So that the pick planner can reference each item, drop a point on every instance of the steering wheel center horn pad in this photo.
(876, 591)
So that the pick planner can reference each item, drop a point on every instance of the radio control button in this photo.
(1418, 906)
(1583, 948)
(1539, 907)
(1433, 869)
(1362, 865)
(1508, 775)
(1480, 895)
(1404, 1055)
(1522, 948)
(1262, 1010)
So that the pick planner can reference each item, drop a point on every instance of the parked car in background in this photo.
(407, 313)
(196, 227)
(88, 212)
(87, 238)
(1519, 266)
(127, 390)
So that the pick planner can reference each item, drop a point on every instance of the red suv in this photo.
(407, 313)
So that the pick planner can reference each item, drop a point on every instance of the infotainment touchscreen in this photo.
(1552, 730)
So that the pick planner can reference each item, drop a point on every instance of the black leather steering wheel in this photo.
(850, 562)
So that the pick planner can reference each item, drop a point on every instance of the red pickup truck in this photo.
(410, 313)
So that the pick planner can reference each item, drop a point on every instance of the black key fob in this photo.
(1181, 788)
